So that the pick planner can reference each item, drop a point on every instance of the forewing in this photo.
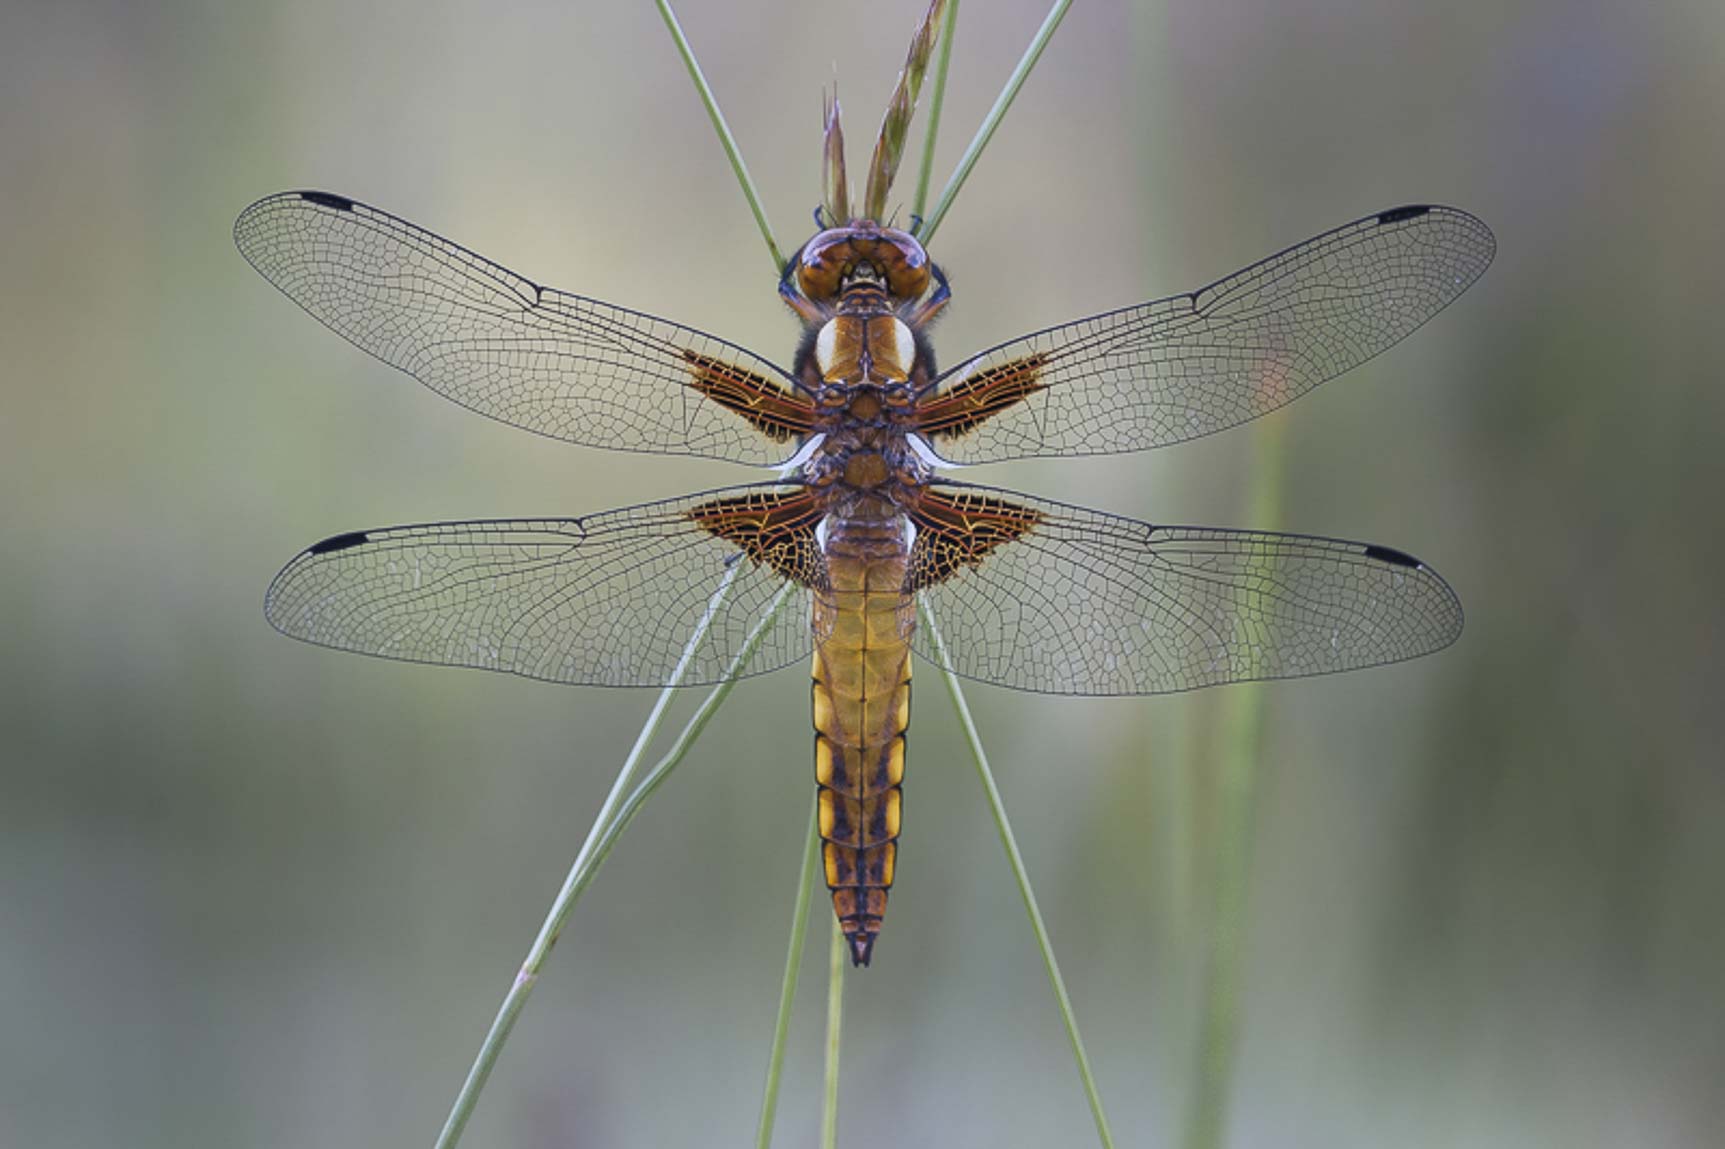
(1080, 602)
(499, 344)
(1193, 364)
(607, 600)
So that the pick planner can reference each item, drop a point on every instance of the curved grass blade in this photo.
(998, 808)
(835, 1027)
(788, 985)
(613, 819)
(992, 120)
(732, 153)
(936, 102)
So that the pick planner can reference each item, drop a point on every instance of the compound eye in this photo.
(817, 278)
(910, 282)
(897, 395)
(833, 396)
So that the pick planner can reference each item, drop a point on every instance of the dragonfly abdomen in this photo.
(861, 710)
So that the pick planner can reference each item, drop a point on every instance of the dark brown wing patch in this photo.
(780, 414)
(967, 403)
(776, 529)
(956, 530)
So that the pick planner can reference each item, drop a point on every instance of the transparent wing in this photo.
(607, 600)
(1193, 364)
(1065, 600)
(531, 356)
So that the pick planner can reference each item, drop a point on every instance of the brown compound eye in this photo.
(897, 395)
(908, 283)
(824, 261)
(903, 262)
(838, 254)
(818, 281)
(833, 396)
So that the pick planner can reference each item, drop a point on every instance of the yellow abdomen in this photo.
(862, 706)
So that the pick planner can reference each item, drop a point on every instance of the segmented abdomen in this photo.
(862, 706)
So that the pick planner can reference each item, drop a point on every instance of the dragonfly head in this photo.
(862, 252)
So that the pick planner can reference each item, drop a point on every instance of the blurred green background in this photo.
(256, 893)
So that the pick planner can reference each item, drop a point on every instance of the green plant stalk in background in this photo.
(992, 120)
(1019, 874)
(1219, 1022)
(612, 820)
(936, 101)
(711, 103)
(835, 1027)
(954, 687)
(788, 985)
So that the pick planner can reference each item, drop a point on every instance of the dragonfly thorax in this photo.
(852, 350)
(878, 460)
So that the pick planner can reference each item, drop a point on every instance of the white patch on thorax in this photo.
(826, 345)
(904, 343)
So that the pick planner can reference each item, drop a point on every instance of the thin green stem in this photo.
(613, 818)
(992, 120)
(788, 986)
(723, 129)
(1219, 1024)
(1020, 875)
(687, 736)
(900, 111)
(935, 102)
(835, 1026)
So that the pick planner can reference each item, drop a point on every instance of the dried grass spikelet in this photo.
(835, 184)
(895, 125)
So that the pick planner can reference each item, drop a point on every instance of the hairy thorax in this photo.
(865, 366)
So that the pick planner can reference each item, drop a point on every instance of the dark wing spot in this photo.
(328, 199)
(1392, 556)
(338, 543)
(1397, 214)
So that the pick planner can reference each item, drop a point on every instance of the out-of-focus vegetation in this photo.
(256, 893)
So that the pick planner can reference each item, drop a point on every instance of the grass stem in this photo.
(1002, 824)
(1219, 1022)
(992, 120)
(724, 131)
(835, 1027)
(788, 985)
(936, 101)
(612, 820)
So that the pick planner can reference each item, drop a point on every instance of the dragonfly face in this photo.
(1027, 593)
(861, 250)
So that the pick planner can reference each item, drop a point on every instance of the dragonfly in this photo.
(857, 514)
